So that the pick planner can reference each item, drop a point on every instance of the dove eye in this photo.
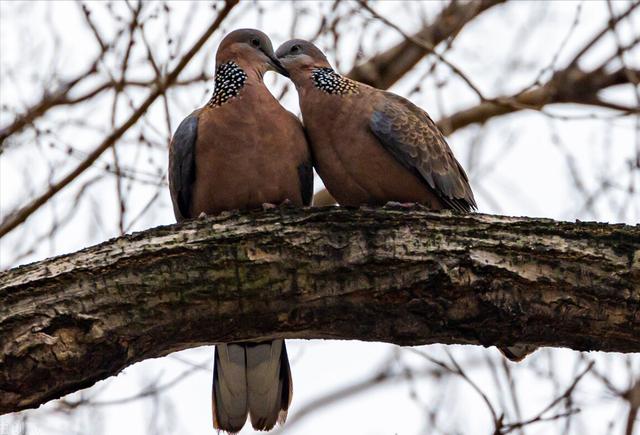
(295, 49)
(255, 42)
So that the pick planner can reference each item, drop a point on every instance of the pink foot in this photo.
(395, 204)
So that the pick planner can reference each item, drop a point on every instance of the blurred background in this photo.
(541, 107)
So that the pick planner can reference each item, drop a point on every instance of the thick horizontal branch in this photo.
(399, 276)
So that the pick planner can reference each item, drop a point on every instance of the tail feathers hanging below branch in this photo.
(269, 380)
(229, 388)
(254, 379)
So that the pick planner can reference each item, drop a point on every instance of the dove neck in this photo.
(330, 82)
(230, 78)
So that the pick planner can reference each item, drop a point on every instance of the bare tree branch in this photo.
(633, 397)
(429, 48)
(48, 101)
(405, 277)
(386, 68)
(22, 214)
(567, 86)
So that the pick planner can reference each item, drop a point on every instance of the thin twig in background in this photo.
(22, 214)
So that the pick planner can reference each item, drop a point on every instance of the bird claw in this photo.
(396, 204)
(270, 206)
(202, 215)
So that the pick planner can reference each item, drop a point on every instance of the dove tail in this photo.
(229, 388)
(254, 379)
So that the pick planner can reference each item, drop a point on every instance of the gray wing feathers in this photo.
(229, 387)
(182, 172)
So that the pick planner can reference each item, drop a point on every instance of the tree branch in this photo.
(567, 86)
(386, 68)
(27, 210)
(404, 277)
(428, 47)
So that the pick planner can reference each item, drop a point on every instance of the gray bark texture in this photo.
(403, 276)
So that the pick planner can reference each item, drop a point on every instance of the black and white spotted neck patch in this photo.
(329, 81)
(230, 78)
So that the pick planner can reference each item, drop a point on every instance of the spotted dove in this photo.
(239, 151)
(371, 146)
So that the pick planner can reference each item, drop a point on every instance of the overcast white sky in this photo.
(518, 169)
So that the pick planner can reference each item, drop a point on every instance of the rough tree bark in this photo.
(405, 277)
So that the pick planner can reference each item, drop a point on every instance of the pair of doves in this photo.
(243, 149)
